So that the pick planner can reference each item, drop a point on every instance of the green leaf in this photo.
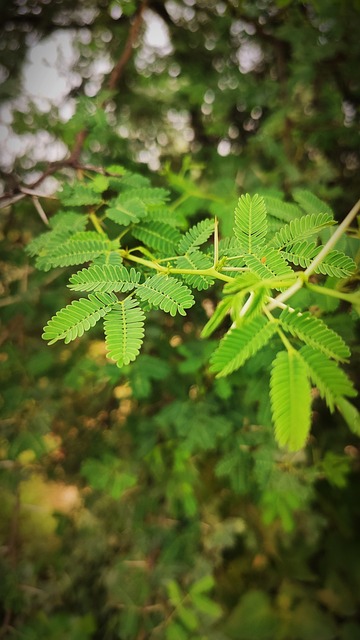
(107, 475)
(64, 224)
(100, 183)
(150, 197)
(245, 281)
(350, 415)
(159, 236)
(104, 278)
(126, 210)
(309, 202)
(206, 583)
(301, 228)
(84, 247)
(269, 265)
(250, 223)
(284, 211)
(78, 195)
(230, 249)
(79, 316)
(314, 333)
(196, 236)
(206, 605)
(195, 260)
(174, 593)
(176, 632)
(217, 317)
(335, 263)
(124, 332)
(290, 396)
(167, 293)
(241, 343)
(330, 380)
(187, 617)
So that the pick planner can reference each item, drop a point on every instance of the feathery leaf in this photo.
(246, 280)
(241, 343)
(230, 249)
(315, 333)
(335, 263)
(269, 265)
(196, 236)
(350, 414)
(78, 317)
(78, 195)
(167, 293)
(290, 396)
(309, 202)
(217, 317)
(301, 228)
(64, 224)
(195, 260)
(325, 374)
(124, 332)
(250, 222)
(159, 236)
(284, 211)
(105, 277)
(150, 197)
(75, 252)
(126, 210)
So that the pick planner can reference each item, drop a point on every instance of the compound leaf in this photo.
(290, 396)
(79, 316)
(126, 210)
(271, 264)
(315, 333)
(196, 236)
(250, 222)
(335, 263)
(301, 228)
(309, 202)
(282, 211)
(105, 277)
(159, 236)
(167, 293)
(327, 376)
(195, 260)
(241, 343)
(124, 332)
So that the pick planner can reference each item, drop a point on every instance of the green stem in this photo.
(304, 275)
(325, 291)
(211, 272)
(94, 219)
(285, 341)
(152, 265)
(179, 201)
(334, 238)
(216, 241)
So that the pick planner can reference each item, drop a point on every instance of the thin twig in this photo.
(334, 238)
(216, 242)
(285, 295)
(115, 77)
(40, 210)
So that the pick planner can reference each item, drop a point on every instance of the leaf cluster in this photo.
(255, 264)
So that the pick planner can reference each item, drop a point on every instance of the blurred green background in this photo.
(152, 502)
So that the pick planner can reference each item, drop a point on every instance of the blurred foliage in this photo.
(152, 502)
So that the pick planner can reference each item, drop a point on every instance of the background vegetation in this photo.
(152, 501)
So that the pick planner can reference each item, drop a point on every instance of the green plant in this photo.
(270, 258)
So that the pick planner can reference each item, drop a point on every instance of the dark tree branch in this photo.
(17, 191)
(115, 76)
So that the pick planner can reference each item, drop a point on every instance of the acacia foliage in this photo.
(123, 295)
(151, 500)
